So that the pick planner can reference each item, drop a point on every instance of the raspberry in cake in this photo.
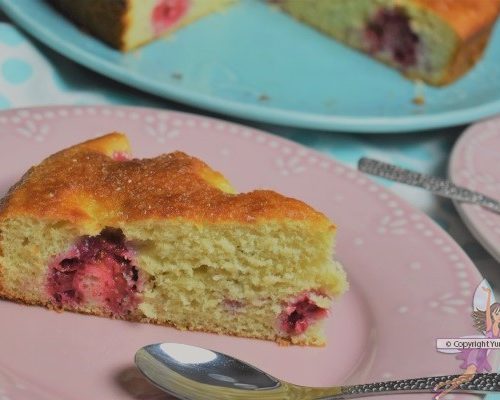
(96, 270)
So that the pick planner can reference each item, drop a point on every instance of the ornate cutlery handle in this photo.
(441, 187)
(480, 384)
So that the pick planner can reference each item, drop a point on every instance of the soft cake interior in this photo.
(226, 278)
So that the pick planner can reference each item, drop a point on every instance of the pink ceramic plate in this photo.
(475, 164)
(410, 283)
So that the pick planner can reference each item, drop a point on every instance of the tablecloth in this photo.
(33, 75)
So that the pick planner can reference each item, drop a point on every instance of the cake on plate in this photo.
(127, 24)
(166, 240)
(435, 41)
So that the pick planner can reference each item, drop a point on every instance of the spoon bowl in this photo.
(190, 372)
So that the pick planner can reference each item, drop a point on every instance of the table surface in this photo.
(65, 82)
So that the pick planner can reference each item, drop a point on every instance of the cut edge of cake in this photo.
(433, 41)
(128, 24)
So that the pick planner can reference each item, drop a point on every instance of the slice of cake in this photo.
(436, 41)
(166, 240)
(126, 24)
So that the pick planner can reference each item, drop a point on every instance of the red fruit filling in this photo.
(121, 156)
(232, 306)
(390, 31)
(97, 270)
(167, 13)
(299, 314)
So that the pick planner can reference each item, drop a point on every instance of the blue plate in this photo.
(257, 63)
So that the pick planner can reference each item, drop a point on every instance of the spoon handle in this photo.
(479, 384)
(441, 187)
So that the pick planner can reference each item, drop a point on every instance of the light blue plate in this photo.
(257, 63)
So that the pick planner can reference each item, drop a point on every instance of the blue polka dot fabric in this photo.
(16, 71)
(31, 75)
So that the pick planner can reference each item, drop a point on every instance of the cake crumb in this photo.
(329, 103)
(419, 100)
(264, 97)
(177, 76)
(419, 97)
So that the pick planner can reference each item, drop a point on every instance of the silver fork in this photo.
(439, 186)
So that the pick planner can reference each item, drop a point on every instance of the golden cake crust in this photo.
(466, 56)
(472, 21)
(84, 184)
(467, 17)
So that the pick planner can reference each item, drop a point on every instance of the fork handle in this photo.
(441, 187)
(480, 384)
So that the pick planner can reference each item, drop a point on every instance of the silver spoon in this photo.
(194, 373)
(439, 186)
